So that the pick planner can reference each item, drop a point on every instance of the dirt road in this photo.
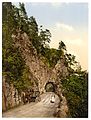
(44, 108)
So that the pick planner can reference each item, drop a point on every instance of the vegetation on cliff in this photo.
(75, 86)
(75, 89)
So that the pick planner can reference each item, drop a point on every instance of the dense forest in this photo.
(75, 86)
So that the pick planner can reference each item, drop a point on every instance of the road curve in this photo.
(44, 108)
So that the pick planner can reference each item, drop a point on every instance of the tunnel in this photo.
(50, 87)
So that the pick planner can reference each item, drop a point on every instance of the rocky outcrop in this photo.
(36, 66)
(38, 69)
(10, 96)
(42, 73)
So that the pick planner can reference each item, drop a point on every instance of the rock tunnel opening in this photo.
(50, 87)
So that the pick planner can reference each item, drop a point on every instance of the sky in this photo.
(67, 22)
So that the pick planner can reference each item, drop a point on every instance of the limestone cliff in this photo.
(39, 70)
(40, 73)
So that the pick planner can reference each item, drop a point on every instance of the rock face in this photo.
(36, 66)
(10, 96)
(39, 70)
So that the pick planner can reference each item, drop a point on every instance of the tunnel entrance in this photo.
(50, 87)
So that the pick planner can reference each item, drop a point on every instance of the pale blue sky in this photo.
(67, 22)
(75, 14)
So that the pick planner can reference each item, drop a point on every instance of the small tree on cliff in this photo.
(61, 48)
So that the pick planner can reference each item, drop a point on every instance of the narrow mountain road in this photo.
(44, 108)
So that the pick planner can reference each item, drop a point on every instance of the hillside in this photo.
(31, 68)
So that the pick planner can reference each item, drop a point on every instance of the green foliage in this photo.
(25, 82)
(45, 36)
(76, 91)
(70, 59)
(52, 55)
(12, 60)
(62, 46)
(13, 64)
(39, 37)
(75, 86)
(22, 10)
(8, 24)
(33, 28)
